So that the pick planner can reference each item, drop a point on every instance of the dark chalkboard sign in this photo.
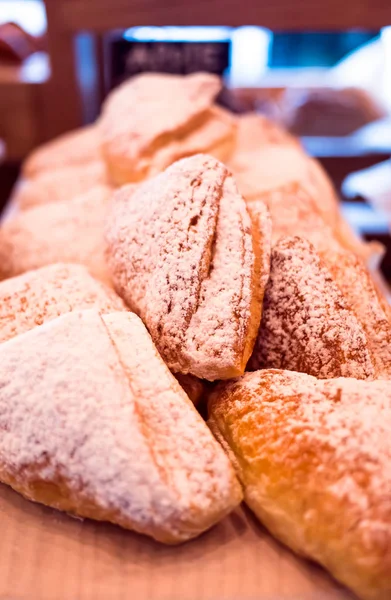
(128, 57)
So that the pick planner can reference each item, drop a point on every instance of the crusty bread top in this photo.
(306, 324)
(182, 255)
(97, 413)
(41, 295)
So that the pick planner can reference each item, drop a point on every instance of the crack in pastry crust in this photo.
(306, 324)
(314, 459)
(183, 256)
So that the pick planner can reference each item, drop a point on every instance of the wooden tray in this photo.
(46, 555)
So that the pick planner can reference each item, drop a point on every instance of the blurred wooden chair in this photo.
(68, 18)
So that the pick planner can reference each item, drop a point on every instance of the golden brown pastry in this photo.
(255, 131)
(42, 295)
(94, 424)
(62, 184)
(184, 257)
(307, 325)
(293, 212)
(69, 231)
(74, 148)
(314, 460)
(153, 119)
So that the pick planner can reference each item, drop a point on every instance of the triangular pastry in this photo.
(314, 459)
(42, 295)
(94, 424)
(185, 257)
(307, 325)
(154, 119)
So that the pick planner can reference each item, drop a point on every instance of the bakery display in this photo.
(152, 120)
(194, 277)
(81, 439)
(41, 295)
(314, 460)
(69, 231)
(149, 261)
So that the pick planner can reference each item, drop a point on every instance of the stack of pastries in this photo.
(173, 256)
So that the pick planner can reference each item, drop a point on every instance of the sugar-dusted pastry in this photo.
(152, 120)
(59, 185)
(184, 256)
(94, 424)
(69, 231)
(255, 131)
(73, 148)
(307, 325)
(361, 294)
(314, 459)
(42, 295)
(294, 211)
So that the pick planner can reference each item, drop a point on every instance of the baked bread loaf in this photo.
(152, 120)
(94, 424)
(60, 185)
(77, 147)
(184, 256)
(307, 325)
(314, 460)
(42, 295)
(69, 231)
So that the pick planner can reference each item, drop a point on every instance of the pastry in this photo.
(255, 131)
(152, 120)
(69, 231)
(307, 325)
(77, 147)
(42, 295)
(94, 424)
(184, 256)
(314, 460)
(60, 185)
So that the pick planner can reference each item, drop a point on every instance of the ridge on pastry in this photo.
(94, 424)
(307, 325)
(314, 460)
(185, 256)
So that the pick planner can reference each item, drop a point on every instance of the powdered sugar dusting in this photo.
(306, 325)
(44, 294)
(96, 416)
(180, 258)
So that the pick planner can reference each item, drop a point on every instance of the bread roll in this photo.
(94, 424)
(314, 460)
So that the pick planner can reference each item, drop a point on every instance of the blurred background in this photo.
(330, 86)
